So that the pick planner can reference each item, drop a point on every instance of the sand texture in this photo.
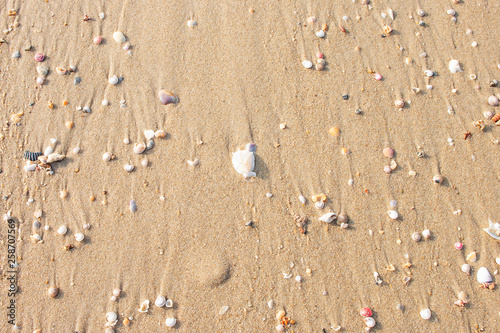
(239, 78)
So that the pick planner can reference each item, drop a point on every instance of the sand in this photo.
(239, 75)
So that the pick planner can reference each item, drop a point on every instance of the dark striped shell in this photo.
(32, 156)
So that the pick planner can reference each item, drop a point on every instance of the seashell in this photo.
(366, 312)
(61, 70)
(55, 157)
(53, 292)
(62, 230)
(454, 66)
(111, 317)
(280, 328)
(149, 134)
(495, 117)
(328, 217)
(40, 80)
(39, 57)
(307, 64)
(462, 295)
(426, 314)
(421, 13)
(459, 245)
(426, 233)
(193, 163)
(128, 167)
(223, 310)
(388, 152)
(438, 179)
(393, 215)
(318, 197)
(105, 102)
(311, 20)
(429, 73)
(416, 237)
(169, 303)
(320, 34)
(377, 76)
(49, 150)
(451, 12)
(343, 218)
(334, 131)
(144, 306)
(493, 230)
(116, 292)
(97, 40)
(391, 13)
(166, 97)
(35, 238)
(472, 257)
(497, 260)
(70, 124)
(336, 328)
(30, 167)
(280, 314)
(466, 268)
(160, 134)
(387, 30)
(79, 237)
(113, 79)
(344, 225)
(170, 322)
(370, 322)
(133, 206)
(483, 276)
(119, 37)
(191, 23)
(139, 148)
(127, 46)
(150, 145)
(244, 163)
(399, 103)
(160, 301)
(32, 156)
(42, 70)
(319, 66)
(145, 162)
(38, 214)
(493, 100)
(319, 204)
(107, 156)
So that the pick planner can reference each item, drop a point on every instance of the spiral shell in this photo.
(31, 155)
(416, 237)
(53, 292)
(399, 103)
(496, 118)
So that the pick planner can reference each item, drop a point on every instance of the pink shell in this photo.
(459, 245)
(97, 40)
(366, 312)
(319, 55)
(39, 57)
(377, 76)
(388, 152)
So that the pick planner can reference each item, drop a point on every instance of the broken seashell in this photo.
(144, 306)
(191, 23)
(107, 156)
(493, 230)
(193, 163)
(145, 162)
(150, 145)
(280, 314)
(336, 328)
(426, 233)
(160, 301)
(454, 66)
(49, 150)
(149, 134)
(160, 134)
(328, 217)
(244, 163)
(61, 70)
(483, 276)
(166, 97)
(319, 204)
(55, 157)
(472, 257)
(139, 148)
(318, 197)
(223, 310)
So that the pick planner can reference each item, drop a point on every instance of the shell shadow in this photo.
(262, 170)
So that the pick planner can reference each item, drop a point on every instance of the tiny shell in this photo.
(488, 114)
(302, 199)
(451, 12)
(53, 292)
(223, 310)
(169, 303)
(97, 40)
(128, 167)
(426, 233)
(40, 80)
(483, 276)
(459, 245)
(280, 314)
(160, 134)
(454, 66)
(370, 322)
(191, 23)
(280, 328)
(107, 156)
(30, 167)
(399, 103)
(113, 79)
(42, 70)
(438, 179)
(39, 57)
(493, 100)
(336, 328)
(116, 292)
(150, 145)
(167, 97)
(49, 150)
(320, 33)
(462, 295)
(493, 230)
(343, 218)
(79, 237)
(160, 301)
(111, 317)
(388, 152)
(393, 215)
(194, 162)
(328, 217)
(426, 314)
(55, 157)
(334, 131)
(377, 76)
(62, 230)
(149, 134)
(145, 162)
(307, 64)
(61, 70)
(119, 37)
(366, 312)
(472, 257)
(139, 148)
(416, 237)
(144, 306)
(319, 204)
(133, 206)
(170, 322)
(466, 268)
(244, 163)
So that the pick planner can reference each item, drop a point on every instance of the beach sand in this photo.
(238, 74)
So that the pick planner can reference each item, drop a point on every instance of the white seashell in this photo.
(144, 306)
(270, 304)
(55, 157)
(302, 199)
(79, 237)
(139, 148)
(244, 163)
(169, 303)
(76, 150)
(426, 314)
(113, 80)
(105, 102)
(426, 233)
(40, 80)
(454, 66)
(170, 322)
(223, 310)
(280, 328)
(191, 23)
(319, 204)
(320, 34)
(106, 156)
(428, 73)
(466, 268)
(160, 301)
(149, 134)
(370, 322)
(62, 230)
(336, 328)
(128, 167)
(111, 317)
(483, 276)
(119, 37)
(493, 100)
(307, 63)
(451, 12)
(29, 166)
(391, 13)
(116, 292)
(193, 163)
(497, 260)
(393, 215)
(145, 162)
(328, 217)
(493, 230)
(49, 150)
